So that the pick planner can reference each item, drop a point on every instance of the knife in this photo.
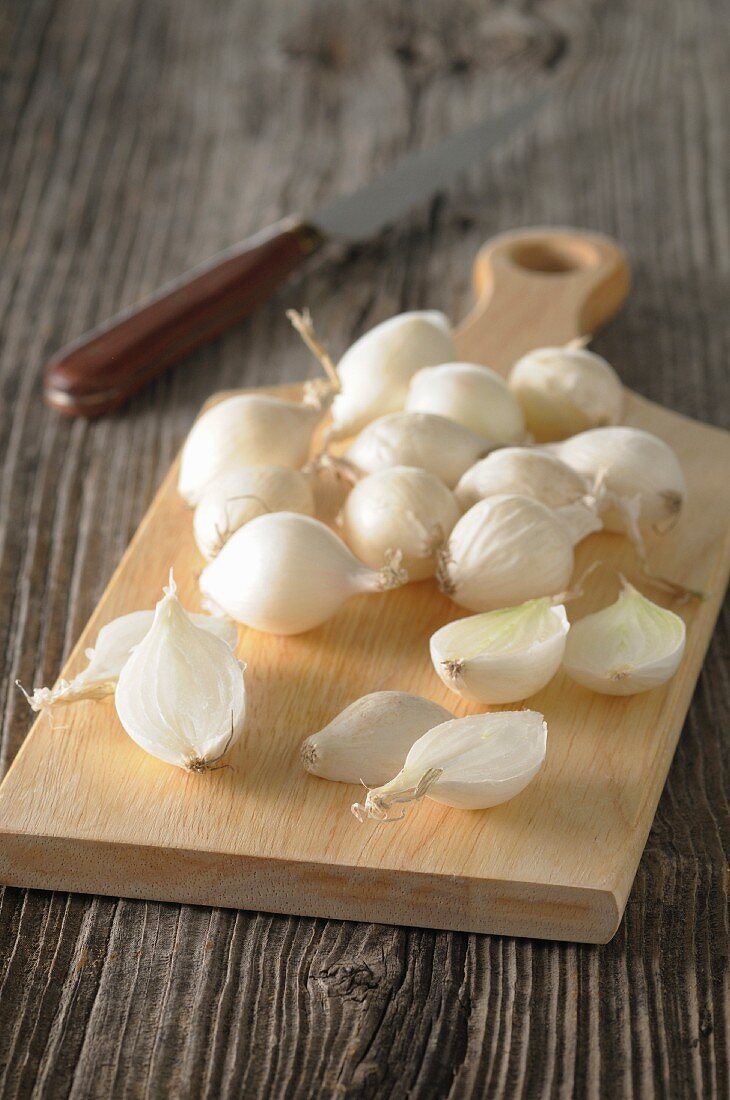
(106, 366)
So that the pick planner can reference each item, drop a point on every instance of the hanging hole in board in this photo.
(553, 257)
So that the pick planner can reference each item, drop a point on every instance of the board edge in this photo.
(310, 889)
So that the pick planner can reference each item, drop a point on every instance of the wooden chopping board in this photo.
(84, 809)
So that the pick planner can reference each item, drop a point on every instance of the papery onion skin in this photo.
(369, 740)
(117, 639)
(566, 390)
(474, 396)
(493, 676)
(376, 370)
(434, 443)
(238, 496)
(245, 430)
(286, 573)
(110, 653)
(598, 654)
(630, 463)
(504, 551)
(402, 506)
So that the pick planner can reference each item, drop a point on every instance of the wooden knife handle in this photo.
(105, 367)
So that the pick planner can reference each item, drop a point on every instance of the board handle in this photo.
(541, 287)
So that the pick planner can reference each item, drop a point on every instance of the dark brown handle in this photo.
(105, 367)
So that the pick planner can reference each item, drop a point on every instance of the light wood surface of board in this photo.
(84, 809)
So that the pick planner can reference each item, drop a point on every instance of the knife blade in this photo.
(105, 367)
(417, 177)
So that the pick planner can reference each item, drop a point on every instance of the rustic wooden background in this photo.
(137, 138)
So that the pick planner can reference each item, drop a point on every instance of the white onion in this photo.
(432, 443)
(631, 465)
(566, 390)
(504, 551)
(180, 695)
(501, 656)
(524, 471)
(369, 740)
(631, 646)
(245, 430)
(400, 507)
(469, 763)
(474, 396)
(238, 496)
(285, 573)
(376, 370)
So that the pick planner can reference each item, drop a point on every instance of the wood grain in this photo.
(139, 139)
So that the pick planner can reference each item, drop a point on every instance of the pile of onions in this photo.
(446, 482)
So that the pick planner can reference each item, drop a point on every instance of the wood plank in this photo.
(90, 812)
(229, 114)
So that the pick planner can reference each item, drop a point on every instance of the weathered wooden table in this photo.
(138, 138)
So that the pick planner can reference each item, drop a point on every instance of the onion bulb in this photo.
(285, 573)
(238, 496)
(369, 740)
(432, 443)
(504, 551)
(180, 695)
(631, 646)
(526, 472)
(474, 396)
(404, 507)
(469, 763)
(501, 656)
(629, 465)
(566, 390)
(376, 370)
(245, 430)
